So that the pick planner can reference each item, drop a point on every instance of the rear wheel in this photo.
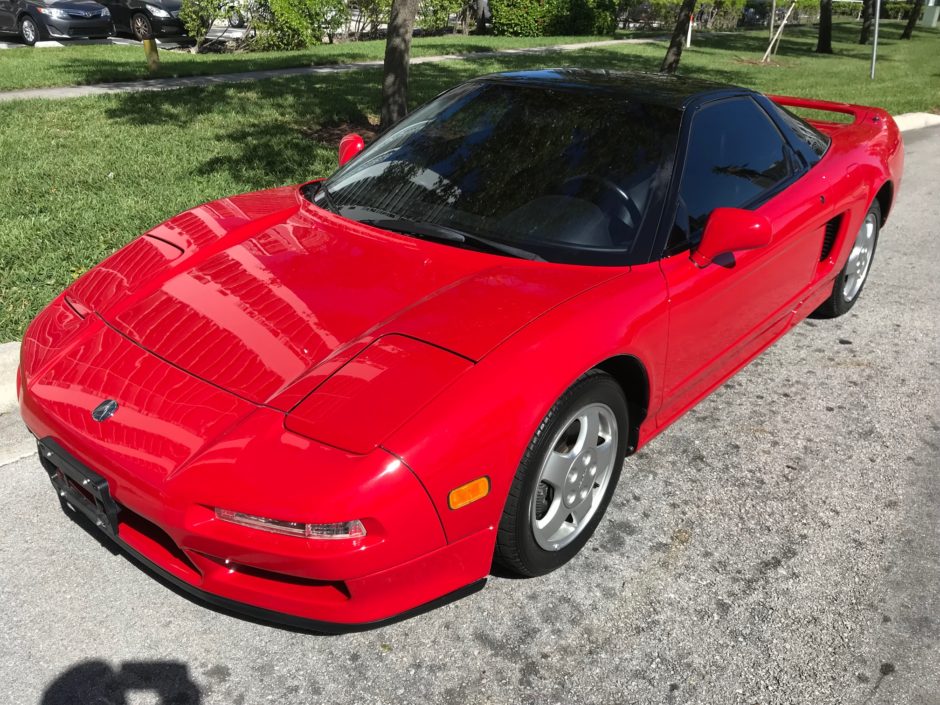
(29, 31)
(850, 281)
(566, 478)
(141, 27)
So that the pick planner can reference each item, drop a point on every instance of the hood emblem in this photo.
(105, 410)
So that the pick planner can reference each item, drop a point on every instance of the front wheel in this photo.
(848, 284)
(566, 478)
(141, 27)
(29, 31)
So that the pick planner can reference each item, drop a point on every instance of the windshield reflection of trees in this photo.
(492, 151)
(771, 176)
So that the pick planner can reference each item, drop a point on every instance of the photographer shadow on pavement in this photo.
(92, 682)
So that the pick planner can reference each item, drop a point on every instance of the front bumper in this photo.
(75, 27)
(166, 477)
(87, 494)
(167, 27)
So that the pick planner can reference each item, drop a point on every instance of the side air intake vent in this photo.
(829, 239)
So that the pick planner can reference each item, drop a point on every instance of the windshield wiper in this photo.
(434, 231)
(311, 191)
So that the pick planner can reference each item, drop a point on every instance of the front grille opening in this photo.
(155, 544)
(829, 237)
(301, 589)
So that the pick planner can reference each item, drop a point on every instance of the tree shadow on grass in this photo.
(283, 130)
(122, 64)
(273, 131)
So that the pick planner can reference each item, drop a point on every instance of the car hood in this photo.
(265, 295)
(85, 5)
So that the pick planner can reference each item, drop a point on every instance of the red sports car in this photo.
(331, 404)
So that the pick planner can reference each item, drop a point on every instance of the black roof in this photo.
(655, 88)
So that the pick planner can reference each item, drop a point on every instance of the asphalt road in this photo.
(778, 545)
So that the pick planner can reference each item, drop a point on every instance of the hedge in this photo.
(537, 18)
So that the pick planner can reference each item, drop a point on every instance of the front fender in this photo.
(482, 424)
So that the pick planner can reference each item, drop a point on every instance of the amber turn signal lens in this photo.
(469, 493)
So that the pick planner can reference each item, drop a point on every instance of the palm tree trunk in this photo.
(401, 25)
(912, 20)
(824, 42)
(674, 52)
(868, 13)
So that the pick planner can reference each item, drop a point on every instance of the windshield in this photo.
(557, 173)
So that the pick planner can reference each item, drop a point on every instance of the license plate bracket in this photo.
(81, 488)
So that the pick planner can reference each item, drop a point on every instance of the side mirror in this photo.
(349, 147)
(729, 230)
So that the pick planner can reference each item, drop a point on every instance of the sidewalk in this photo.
(164, 84)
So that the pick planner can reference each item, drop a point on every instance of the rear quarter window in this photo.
(806, 134)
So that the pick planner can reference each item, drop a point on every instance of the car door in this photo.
(724, 313)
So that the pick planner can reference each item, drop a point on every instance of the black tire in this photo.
(236, 20)
(838, 304)
(141, 27)
(516, 547)
(29, 31)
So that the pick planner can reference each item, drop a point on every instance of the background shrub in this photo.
(519, 18)
(298, 24)
(434, 15)
(536, 18)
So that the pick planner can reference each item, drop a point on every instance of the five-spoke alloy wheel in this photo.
(574, 476)
(566, 477)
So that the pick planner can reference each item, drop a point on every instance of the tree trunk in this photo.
(483, 12)
(868, 14)
(824, 43)
(674, 52)
(401, 25)
(912, 20)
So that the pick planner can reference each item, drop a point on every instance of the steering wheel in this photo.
(608, 185)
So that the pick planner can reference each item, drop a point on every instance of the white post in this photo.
(688, 38)
(776, 39)
(874, 44)
(773, 16)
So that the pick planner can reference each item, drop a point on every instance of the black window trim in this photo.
(809, 156)
(799, 168)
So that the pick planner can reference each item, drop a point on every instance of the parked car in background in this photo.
(35, 20)
(144, 20)
(240, 13)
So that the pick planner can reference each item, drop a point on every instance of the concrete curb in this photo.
(916, 121)
(9, 359)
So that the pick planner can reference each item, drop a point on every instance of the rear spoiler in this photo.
(858, 112)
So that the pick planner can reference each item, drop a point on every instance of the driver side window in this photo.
(735, 158)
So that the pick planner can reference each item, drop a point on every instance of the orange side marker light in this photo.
(469, 493)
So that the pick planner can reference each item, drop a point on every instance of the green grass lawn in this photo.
(84, 176)
(80, 65)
